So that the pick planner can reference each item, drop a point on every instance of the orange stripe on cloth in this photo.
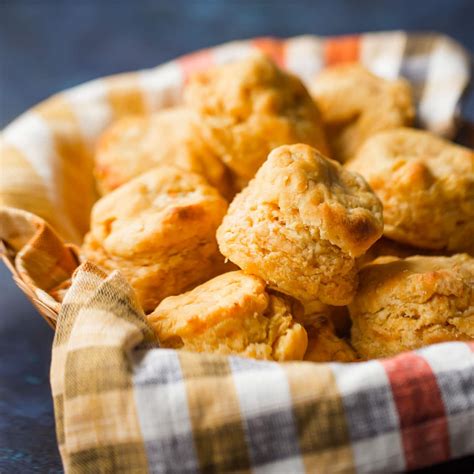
(423, 423)
(320, 418)
(214, 411)
(273, 48)
(195, 62)
(342, 49)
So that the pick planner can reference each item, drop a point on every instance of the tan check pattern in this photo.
(96, 420)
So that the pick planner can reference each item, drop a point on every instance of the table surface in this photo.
(48, 46)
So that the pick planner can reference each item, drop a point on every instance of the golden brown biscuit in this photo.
(426, 185)
(250, 107)
(403, 304)
(135, 144)
(300, 224)
(159, 231)
(230, 314)
(325, 346)
(355, 104)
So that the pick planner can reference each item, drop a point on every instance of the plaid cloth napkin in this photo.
(124, 405)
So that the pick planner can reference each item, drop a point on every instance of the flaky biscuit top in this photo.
(358, 90)
(404, 304)
(426, 156)
(316, 192)
(426, 185)
(250, 107)
(227, 296)
(389, 281)
(134, 144)
(161, 209)
(355, 104)
(231, 314)
(254, 85)
(299, 225)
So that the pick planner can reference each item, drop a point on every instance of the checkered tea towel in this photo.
(124, 405)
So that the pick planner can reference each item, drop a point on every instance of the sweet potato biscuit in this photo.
(355, 104)
(325, 346)
(403, 304)
(135, 144)
(230, 314)
(426, 185)
(159, 231)
(300, 224)
(250, 107)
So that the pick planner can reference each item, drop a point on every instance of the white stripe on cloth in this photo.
(163, 413)
(233, 51)
(161, 86)
(267, 415)
(32, 136)
(446, 78)
(382, 53)
(453, 365)
(305, 56)
(91, 107)
(376, 455)
(371, 415)
(283, 466)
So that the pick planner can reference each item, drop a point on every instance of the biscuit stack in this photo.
(240, 234)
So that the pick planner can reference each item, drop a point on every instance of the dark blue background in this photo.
(46, 46)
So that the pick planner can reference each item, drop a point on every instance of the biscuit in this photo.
(135, 144)
(230, 314)
(404, 304)
(355, 104)
(248, 108)
(159, 231)
(426, 185)
(300, 224)
(325, 346)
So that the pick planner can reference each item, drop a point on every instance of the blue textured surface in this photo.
(47, 46)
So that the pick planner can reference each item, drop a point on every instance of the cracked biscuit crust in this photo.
(230, 314)
(300, 224)
(136, 144)
(404, 304)
(355, 104)
(426, 185)
(250, 107)
(159, 231)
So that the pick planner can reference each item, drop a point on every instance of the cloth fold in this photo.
(123, 404)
